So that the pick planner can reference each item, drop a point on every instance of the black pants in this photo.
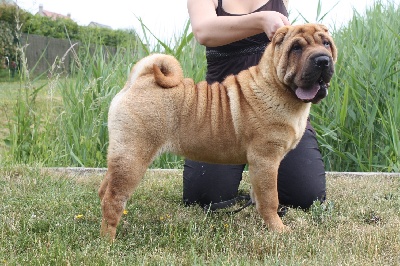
(301, 178)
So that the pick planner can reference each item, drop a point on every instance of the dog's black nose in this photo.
(322, 61)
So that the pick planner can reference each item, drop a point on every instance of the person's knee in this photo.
(302, 191)
(308, 200)
(301, 179)
(205, 183)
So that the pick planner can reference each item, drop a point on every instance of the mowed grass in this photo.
(50, 218)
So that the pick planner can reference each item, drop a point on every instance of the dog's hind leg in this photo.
(103, 185)
(125, 170)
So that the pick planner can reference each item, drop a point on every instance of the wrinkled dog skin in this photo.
(254, 117)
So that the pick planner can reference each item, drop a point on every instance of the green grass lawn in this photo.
(54, 219)
(6, 75)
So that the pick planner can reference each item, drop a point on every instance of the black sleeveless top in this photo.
(237, 56)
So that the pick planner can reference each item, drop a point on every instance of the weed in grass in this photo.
(372, 218)
(321, 212)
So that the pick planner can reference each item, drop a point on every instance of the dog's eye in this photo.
(327, 44)
(296, 47)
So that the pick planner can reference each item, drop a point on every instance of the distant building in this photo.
(98, 25)
(50, 14)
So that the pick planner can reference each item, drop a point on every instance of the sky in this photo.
(167, 18)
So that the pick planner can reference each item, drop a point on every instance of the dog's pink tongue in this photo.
(307, 94)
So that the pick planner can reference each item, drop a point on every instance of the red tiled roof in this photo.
(53, 15)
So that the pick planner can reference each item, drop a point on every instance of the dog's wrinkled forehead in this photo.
(310, 32)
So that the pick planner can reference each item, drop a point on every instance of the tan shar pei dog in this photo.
(254, 117)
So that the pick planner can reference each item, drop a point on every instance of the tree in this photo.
(14, 21)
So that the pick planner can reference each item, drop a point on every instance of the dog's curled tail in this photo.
(165, 70)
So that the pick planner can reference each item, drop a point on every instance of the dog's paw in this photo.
(108, 232)
(275, 224)
(279, 229)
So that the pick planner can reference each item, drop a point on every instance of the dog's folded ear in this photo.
(280, 35)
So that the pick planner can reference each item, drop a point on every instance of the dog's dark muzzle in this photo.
(316, 79)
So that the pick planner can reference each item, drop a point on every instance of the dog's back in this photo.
(193, 120)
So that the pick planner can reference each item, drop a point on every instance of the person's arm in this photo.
(212, 30)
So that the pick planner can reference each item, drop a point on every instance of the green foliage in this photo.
(107, 37)
(12, 18)
(10, 15)
(319, 17)
(57, 28)
(59, 134)
(82, 125)
(68, 29)
(358, 122)
(26, 141)
(7, 46)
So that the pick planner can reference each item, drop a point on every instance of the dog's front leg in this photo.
(263, 176)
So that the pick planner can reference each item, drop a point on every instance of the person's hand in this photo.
(272, 22)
